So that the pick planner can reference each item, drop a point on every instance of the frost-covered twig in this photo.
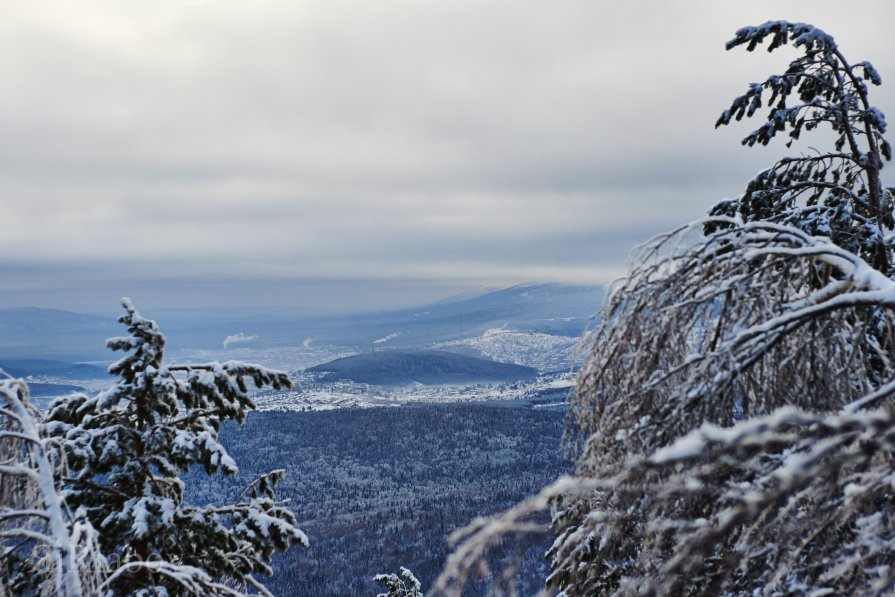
(59, 555)
(729, 442)
(395, 586)
(836, 193)
(185, 580)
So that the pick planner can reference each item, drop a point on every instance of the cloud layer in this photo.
(466, 140)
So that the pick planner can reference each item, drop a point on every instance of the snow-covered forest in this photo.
(732, 423)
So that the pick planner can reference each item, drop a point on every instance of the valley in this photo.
(400, 427)
(380, 488)
(515, 345)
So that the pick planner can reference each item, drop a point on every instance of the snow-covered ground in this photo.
(544, 352)
(547, 353)
(309, 395)
(547, 391)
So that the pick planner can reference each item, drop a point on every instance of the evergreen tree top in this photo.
(126, 448)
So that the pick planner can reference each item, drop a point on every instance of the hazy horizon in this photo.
(291, 297)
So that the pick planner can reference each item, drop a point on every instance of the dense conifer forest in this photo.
(376, 489)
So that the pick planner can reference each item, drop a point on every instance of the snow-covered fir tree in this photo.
(836, 193)
(735, 418)
(405, 585)
(44, 550)
(126, 448)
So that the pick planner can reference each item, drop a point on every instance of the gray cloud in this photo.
(471, 140)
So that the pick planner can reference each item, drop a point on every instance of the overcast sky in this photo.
(220, 151)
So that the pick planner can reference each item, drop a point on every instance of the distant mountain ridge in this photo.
(51, 368)
(556, 309)
(29, 333)
(428, 367)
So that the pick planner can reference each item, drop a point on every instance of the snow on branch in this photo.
(734, 426)
(836, 193)
(46, 551)
(729, 326)
(186, 580)
(734, 490)
(780, 32)
(471, 544)
(406, 585)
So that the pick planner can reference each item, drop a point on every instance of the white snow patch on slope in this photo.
(544, 352)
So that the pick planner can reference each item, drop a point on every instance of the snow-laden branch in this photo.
(188, 580)
(728, 326)
(820, 87)
(696, 503)
(472, 543)
(724, 416)
(64, 556)
(405, 585)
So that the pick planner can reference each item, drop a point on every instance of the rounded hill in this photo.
(429, 367)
